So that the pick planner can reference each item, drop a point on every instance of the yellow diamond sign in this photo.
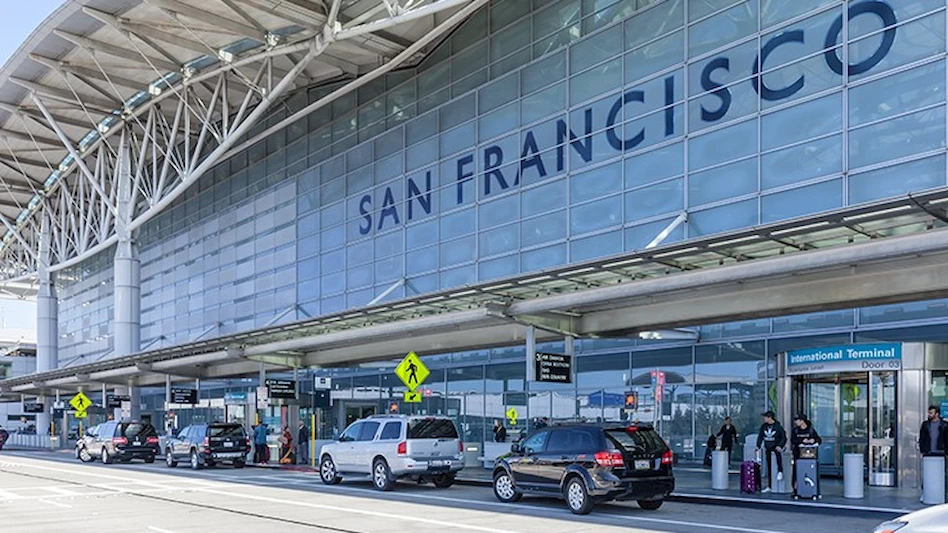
(512, 416)
(412, 371)
(80, 402)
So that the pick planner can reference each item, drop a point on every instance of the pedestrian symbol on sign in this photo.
(412, 371)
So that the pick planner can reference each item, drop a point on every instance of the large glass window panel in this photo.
(802, 201)
(500, 240)
(552, 18)
(596, 246)
(422, 260)
(915, 40)
(597, 48)
(705, 109)
(595, 81)
(723, 218)
(786, 47)
(726, 27)
(655, 57)
(601, 181)
(776, 11)
(331, 284)
(498, 93)
(813, 70)
(608, 370)
(800, 122)
(541, 73)
(802, 162)
(509, 40)
(730, 362)
(500, 267)
(458, 251)
(469, 61)
(497, 212)
(543, 103)
(359, 253)
(458, 112)
(654, 165)
(665, 197)
(904, 312)
(458, 223)
(654, 22)
(388, 270)
(460, 138)
(897, 94)
(811, 321)
(544, 198)
(596, 215)
(723, 145)
(698, 9)
(359, 276)
(729, 181)
(676, 363)
(638, 237)
(897, 180)
(421, 128)
(458, 277)
(543, 258)
(898, 137)
(739, 59)
(503, 120)
(544, 228)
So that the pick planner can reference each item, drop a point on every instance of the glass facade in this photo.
(542, 133)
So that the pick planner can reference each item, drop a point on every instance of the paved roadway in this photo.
(52, 493)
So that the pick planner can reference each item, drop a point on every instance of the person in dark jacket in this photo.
(4, 435)
(728, 436)
(802, 434)
(773, 438)
(260, 443)
(500, 432)
(302, 444)
(933, 436)
(710, 446)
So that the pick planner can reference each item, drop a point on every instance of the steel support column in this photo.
(127, 269)
(47, 319)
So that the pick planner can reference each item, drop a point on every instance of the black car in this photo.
(119, 441)
(587, 464)
(205, 445)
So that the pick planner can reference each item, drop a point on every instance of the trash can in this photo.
(933, 480)
(853, 483)
(719, 467)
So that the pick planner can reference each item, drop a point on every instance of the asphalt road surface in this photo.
(52, 493)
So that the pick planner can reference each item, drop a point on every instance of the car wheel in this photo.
(327, 471)
(83, 455)
(650, 505)
(239, 464)
(577, 497)
(382, 475)
(195, 460)
(106, 458)
(169, 459)
(443, 481)
(150, 459)
(504, 488)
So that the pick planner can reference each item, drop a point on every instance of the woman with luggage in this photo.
(801, 436)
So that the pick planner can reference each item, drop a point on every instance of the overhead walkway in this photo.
(892, 251)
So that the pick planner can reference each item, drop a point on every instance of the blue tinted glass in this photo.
(728, 181)
(727, 217)
(803, 121)
(802, 162)
(596, 215)
(499, 268)
(548, 257)
(665, 197)
(602, 245)
(654, 165)
(723, 145)
(458, 251)
(594, 183)
(544, 198)
(803, 201)
(898, 137)
(897, 180)
(499, 240)
(543, 228)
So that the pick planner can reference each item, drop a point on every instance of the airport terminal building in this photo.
(553, 156)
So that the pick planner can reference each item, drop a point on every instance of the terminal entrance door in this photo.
(853, 413)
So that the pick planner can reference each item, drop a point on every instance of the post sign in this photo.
(553, 367)
(114, 401)
(412, 397)
(235, 398)
(322, 383)
(512, 416)
(412, 371)
(33, 407)
(322, 399)
(849, 358)
(284, 389)
(80, 402)
(184, 396)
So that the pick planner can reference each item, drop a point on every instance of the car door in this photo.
(88, 439)
(525, 467)
(344, 454)
(366, 446)
(180, 446)
(563, 449)
(102, 437)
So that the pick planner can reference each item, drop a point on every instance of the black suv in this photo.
(588, 463)
(118, 441)
(208, 444)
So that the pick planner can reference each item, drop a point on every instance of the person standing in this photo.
(3, 437)
(260, 443)
(302, 444)
(933, 436)
(500, 432)
(773, 438)
(802, 434)
(728, 436)
(286, 450)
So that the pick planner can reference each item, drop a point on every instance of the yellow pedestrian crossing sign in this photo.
(512, 416)
(80, 402)
(412, 371)
(412, 397)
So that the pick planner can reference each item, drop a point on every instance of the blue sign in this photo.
(848, 358)
(944, 408)
(235, 398)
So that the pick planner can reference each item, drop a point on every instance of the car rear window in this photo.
(130, 431)
(638, 441)
(432, 428)
(230, 430)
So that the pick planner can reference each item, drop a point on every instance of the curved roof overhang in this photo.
(112, 108)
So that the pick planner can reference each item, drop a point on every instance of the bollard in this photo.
(933, 480)
(719, 474)
(779, 487)
(853, 483)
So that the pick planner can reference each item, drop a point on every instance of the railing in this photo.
(33, 442)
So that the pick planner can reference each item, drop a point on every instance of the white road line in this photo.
(7, 495)
(65, 491)
(57, 504)
(157, 529)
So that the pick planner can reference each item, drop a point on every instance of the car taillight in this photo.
(152, 440)
(207, 442)
(668, 457)
(460, 447)
(403, 448)
(247, 442)
(119, 440)
(610, 459)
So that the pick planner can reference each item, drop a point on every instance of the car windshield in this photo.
(133, 430)
(637, 440)
(432, 428)
(229, 430)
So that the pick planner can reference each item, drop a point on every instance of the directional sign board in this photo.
(412, 397)
(281, 389)
(184, 396)
(512, 416)
(114, 401)
(553, 367)
(412, 371)
(80, 402)
(33, 407)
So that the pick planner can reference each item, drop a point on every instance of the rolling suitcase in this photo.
(808, 474)
(750, 477)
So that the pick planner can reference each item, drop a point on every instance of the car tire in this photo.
(327, 472)
(382, 476)
(195, 460)
(650, 505)
(504, 489)
(443, 481)
(150, 459)
(82, 453)
(106, 458)
(577, 496)
(169, 459)
(239, 464)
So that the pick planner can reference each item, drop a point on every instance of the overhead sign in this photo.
(412, 397)
(184, 396)
(512, 416)
(114, 401)
(33, 407)
(80, 402)
(553, 367)
(322, 383)
(412, 371)
(848, 358)
(284, 389)
(235, 398)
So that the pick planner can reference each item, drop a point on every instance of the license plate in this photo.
(228, 444)
(137, 443)
(643, 464)
(436, 463)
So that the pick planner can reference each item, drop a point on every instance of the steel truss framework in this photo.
(143, 106)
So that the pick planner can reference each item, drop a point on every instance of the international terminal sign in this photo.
(848, 358)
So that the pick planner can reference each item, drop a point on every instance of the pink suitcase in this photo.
(750, 477)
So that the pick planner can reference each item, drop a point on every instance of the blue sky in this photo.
(19, 20)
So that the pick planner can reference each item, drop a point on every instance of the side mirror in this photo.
(515, 448)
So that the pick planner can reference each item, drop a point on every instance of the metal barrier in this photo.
(32, 442)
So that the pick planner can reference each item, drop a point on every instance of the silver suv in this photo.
(389, 447)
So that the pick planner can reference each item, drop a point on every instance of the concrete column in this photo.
(47, 321)
(126, 270)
